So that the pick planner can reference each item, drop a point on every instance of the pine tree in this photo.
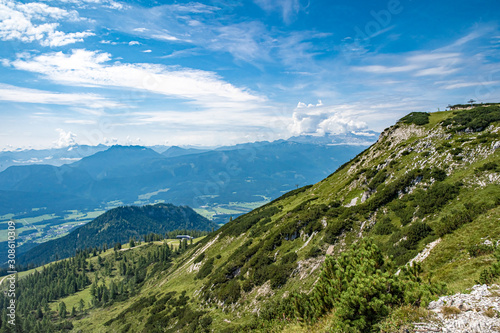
(39, 313)
(81, 305)
(62, 310)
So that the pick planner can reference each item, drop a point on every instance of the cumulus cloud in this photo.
(93, 68)
(37, 22)
(309, 119)
(65, 138)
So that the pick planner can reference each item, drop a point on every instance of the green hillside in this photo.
(118, 225)
(319, 257)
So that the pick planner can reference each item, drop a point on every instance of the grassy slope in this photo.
(449, 261)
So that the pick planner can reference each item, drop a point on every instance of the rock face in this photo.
(477, 312)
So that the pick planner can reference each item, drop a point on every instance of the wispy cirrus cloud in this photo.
(93, 68)
(421, 64)
(37, 22)
(470, 84)
(287, 8)
(92, 3)
(12, 93)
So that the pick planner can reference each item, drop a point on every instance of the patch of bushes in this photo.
(244, 222)
(478, 250)
(205, 269)
(384, 227)
(476, 119)
(314, 252)
(402, 210)
(362, 286)
(377, 180)
(435, 197)
(177, 316)
(458, 217)
(229, 292)
(335, 228)
(489, 166)
(199, 258)
(438, 174)
(407, 242)
(417, 118)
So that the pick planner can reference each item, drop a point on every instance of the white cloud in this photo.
(287, 8)
(471, 84)
(35, 22)
(147, 51)
(92, 68)
(80, 121)
(319, 120)
(88, 3)
(134, 42)
(246, 41)
(65, 138)
(379, 69)
(193, 7)
(422, 64)
(23, 95)
(301, 105)
(164, 36)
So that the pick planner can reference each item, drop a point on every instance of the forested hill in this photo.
(118, 225)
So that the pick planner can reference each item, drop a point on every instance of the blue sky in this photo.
(224, 72)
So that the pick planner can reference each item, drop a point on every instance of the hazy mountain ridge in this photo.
(54, 156)
(125, 173)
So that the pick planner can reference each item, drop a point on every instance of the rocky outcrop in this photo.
(477, 312)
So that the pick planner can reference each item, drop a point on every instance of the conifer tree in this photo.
(62, 310)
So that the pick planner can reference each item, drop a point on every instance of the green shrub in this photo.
(489, 166)
(289, 258)
(451, 222)
(279, 274)
(435, 197)
(314, 252)
(477, 250)
(416, 232)
(476, 119)
(438, 174)
(247, 285)
(417, 118)
(488, 275)
(199, 258)
(335, 229)
(230, 292)
(362, 287)
(377, 180)
(384, 227)
(205, 269)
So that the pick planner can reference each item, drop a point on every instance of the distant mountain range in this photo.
(129, 174)
(73, 153)
(118, 225)
(55, 156)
